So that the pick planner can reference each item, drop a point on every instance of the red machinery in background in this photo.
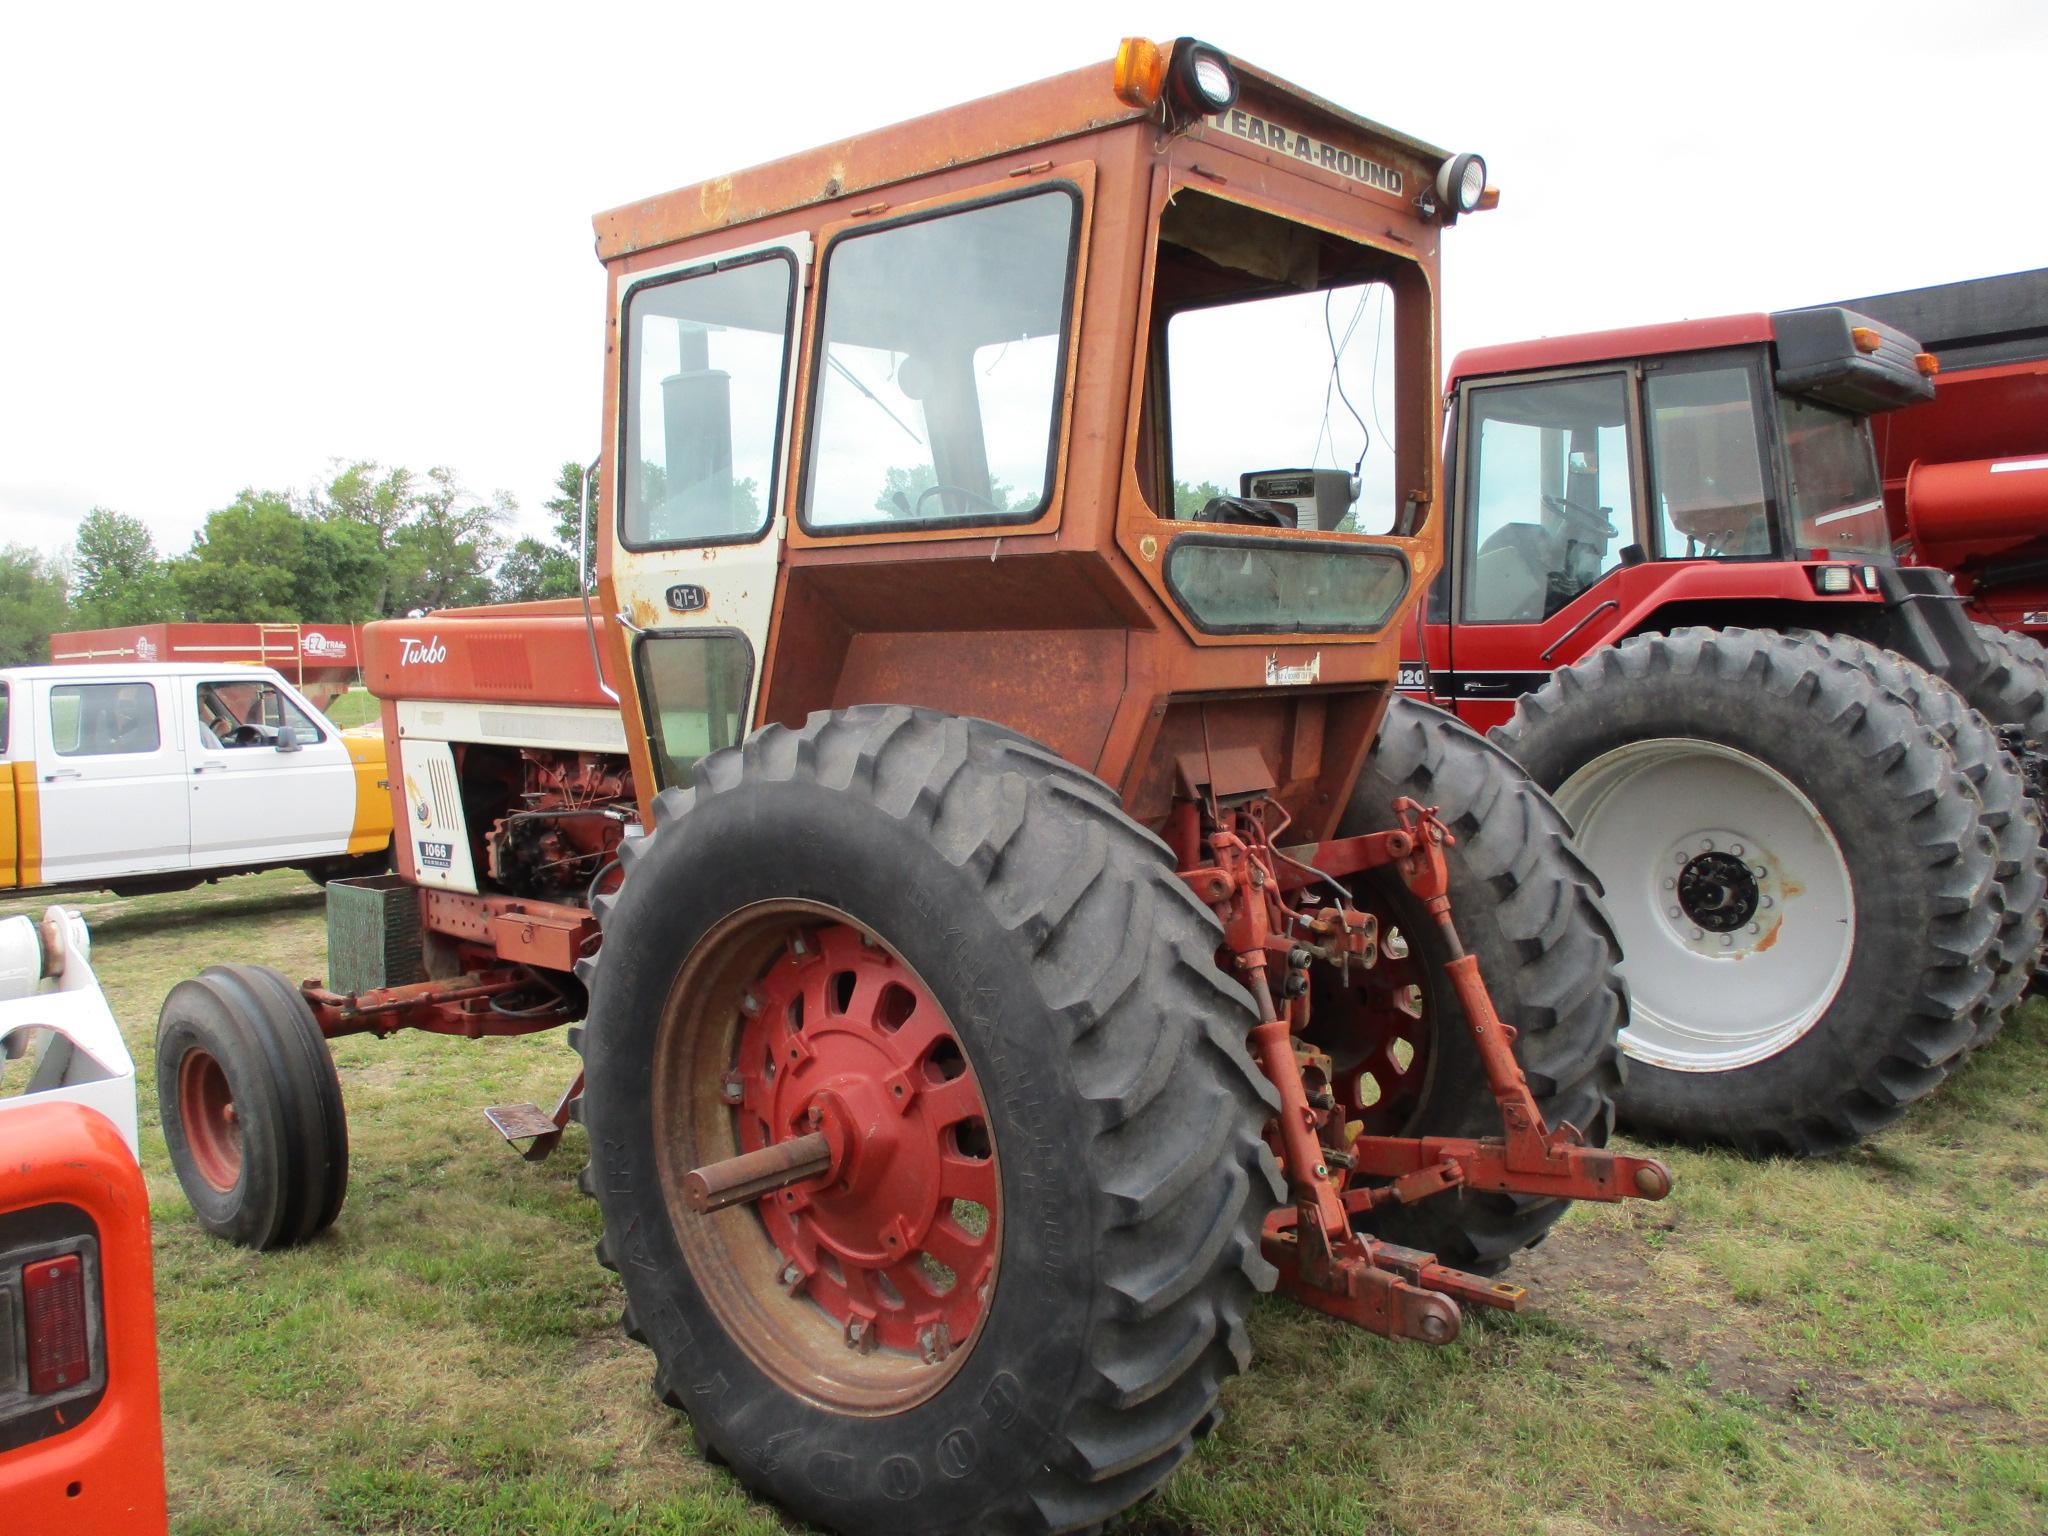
(1966, 473)
(322, 660)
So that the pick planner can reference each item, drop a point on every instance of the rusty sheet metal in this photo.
(1030, 115)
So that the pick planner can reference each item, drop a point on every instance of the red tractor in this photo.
(1778, 746)
(1009, 917)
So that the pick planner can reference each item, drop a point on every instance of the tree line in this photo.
(369, 542)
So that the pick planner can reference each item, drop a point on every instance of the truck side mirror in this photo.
(287, 738)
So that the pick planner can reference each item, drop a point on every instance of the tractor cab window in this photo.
(1706, 465)
(1549, 506)
(706, 352)
(937, 388)
(1281, 405)
(1837, 495)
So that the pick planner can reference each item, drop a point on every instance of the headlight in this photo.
(1203, 83)
(1461, 183)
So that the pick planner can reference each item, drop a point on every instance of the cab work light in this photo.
(1195, 79)
(1833, 579)
(1461, 183)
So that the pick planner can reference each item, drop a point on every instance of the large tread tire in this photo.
(2015, 691)
(1529, 909)
(1126, 1113)
(291, 1172)
(1907, 823)
(2020, 886)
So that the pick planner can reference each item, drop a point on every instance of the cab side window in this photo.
(1549, 507)
(707, 354)
(942, 352)
(1706, 464)
(103, 719)
(238, 712)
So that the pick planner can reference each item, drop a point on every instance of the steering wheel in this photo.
(247, 736)
(1588, 521)
(952, 490)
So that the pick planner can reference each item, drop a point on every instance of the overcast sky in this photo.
(236, 243)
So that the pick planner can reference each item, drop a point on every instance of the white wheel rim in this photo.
(1666, 824)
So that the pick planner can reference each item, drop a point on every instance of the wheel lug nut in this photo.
(1673, 911)
(935, 1343)
(1698, 934)
(1727, 941)
(860, 1336)
(1756, 928)
(792, 1278)
(731, 1089)
(1736, 849)
(1669, 883)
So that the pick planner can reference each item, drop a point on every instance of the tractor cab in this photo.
(1709, 471)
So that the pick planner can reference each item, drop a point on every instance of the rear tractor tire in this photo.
(1013, 1304)
(1530, 911)
(251, 1107)
(1797, 868)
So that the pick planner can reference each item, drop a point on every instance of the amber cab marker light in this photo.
(1927, 363)
(1865, 338)
(1140, 71)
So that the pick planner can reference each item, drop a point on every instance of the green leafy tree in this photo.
(1190, 499)
(443, 554)
(117, 576)
(32, 605)
(263, 559)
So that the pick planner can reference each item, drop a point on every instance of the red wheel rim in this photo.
(206, 1110)
(869, 1287)
(1382, 1049)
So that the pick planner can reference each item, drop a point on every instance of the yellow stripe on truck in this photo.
(371, 832)
(24, 862)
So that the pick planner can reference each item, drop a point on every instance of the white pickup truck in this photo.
(155, 777)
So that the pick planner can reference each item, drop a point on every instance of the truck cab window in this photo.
(237, 713)
(1705, 463)
(103, 719)
(706, 354)
(1548, 506)
(937, 386)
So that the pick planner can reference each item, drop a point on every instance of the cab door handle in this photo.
(62, 773)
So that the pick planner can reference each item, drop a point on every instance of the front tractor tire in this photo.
(1529, 909)
(251, 1107)
(1011, 1307)
(1799, 873)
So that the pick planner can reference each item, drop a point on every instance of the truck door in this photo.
(110, 780)
(696, 481)
(1546, 506)
(271, 781)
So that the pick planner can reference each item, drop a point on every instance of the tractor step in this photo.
(518, 1122)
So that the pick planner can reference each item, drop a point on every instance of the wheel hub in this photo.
(206, 1110)
(1722, 894)
(898, 1241)
(1718, 891)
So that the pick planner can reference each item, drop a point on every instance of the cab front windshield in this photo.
(1836, 495)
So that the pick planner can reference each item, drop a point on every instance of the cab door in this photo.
(1548, 520)
(271, 781)
(110, 779)
(695, 487)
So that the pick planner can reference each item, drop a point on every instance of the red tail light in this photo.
(54, 1293)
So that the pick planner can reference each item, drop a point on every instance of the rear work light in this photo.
(53, 1297)
(1865, 338)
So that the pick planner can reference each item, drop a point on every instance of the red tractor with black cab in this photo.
(1670, 589)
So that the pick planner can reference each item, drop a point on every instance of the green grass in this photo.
(1855, 1346)
(356, 707)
